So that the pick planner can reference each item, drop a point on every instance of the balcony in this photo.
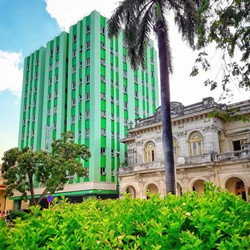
(198, 160)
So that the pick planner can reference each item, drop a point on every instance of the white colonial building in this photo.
(206, 150)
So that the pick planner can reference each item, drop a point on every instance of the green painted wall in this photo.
(88, 86)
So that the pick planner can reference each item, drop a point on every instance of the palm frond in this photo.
(185, 13)
(117, 19)
(145, 23)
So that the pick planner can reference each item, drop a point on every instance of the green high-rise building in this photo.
(83, 82)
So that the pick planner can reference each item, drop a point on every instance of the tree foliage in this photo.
(227, 25)
(24, 169)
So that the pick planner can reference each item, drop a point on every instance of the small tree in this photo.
(52, 170)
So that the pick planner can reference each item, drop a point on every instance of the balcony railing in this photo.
(190, 160)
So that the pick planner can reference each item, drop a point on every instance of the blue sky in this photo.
(26, 25)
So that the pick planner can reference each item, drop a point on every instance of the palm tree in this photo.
(138, 18)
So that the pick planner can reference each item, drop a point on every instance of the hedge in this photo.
(215, 220)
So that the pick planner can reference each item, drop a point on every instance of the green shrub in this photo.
(215, 220)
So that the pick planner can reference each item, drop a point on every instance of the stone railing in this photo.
(141, 167)
(236, 155)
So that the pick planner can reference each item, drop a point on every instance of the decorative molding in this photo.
(211, 128)
(182, 134)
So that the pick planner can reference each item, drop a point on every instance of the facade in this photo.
(82, 82)
(206, 149)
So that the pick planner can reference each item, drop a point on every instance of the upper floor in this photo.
(198, 137)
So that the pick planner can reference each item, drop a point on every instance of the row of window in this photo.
(195, 147)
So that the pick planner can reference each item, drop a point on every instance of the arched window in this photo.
(176, 148)
(196, 144)
(149, 152)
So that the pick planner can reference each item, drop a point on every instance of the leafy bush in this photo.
(215, 220)
(23, 214)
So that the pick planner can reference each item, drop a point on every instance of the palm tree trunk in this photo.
(167, 138)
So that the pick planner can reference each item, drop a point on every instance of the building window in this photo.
(176, 148)
(88, 29)
(239, 145)
(103, 171)
(80, 48)
(87, 132)
(87, 114)
(73, 102)
(57, 48)
(75, 37)
(103, 96)
(74, 53)
(87, 96)
(125, 73)
(125, 89)
(87, 78)
(149, 152)
(73, 85)
(102, 61)
(87, 45)
(103, 78)
(73, 119)
(103, 114)
(102, 30)
(80, 64)
(87, 61)
(56, 78)
(103, 132)
(102, 45)
(195, 143)
(103, 151)
(136, 110)
(74, 69)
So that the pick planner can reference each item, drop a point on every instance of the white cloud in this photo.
(68, 12)
(11, 71)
